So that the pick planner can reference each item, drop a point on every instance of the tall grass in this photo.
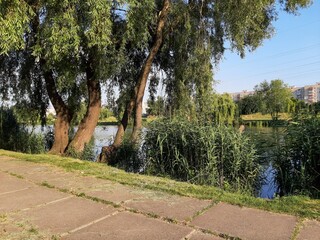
(15, 137)
(129, 157)
(297, 162)
(86, 154)
(218, 156)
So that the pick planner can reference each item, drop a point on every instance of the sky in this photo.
(292, 55)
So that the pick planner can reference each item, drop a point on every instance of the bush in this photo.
(15, 137)
(128, 157)
(86, 154)
(297, 162)
(218, 156)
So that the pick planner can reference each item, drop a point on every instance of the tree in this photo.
(75, 46)
(275, 95)
(199, 32)
(156, 107)
(224, 109)
(249, 104)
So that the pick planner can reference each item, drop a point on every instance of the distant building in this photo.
(308, 93)
(239, 95)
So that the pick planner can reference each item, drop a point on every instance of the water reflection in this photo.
(103, 135)
(266, 140)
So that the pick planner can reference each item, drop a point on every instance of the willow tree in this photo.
(200, 33)
(186, 39)
(68, 42)
(224, 109)
(140, 13)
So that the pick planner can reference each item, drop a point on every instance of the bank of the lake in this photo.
(265, 139)
(295, 205)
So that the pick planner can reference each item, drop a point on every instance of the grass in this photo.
(264, 117)
(295, 205)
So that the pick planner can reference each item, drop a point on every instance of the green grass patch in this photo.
(264, 117)
(17, 175)
(295, 205)
(45, 184)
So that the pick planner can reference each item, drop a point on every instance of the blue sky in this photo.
(292, 55)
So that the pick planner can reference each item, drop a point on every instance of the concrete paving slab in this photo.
(6, 159)
(28, 198)
(310, 231)
(246, 223)
(9, 163)
(36, 172)
(131, 226)
(10, 184)
(179, 208)
(203, 236)
(54, 176)
(114, 192)
(66, 215)
(74, 182)
(6, 225)
(112, 196)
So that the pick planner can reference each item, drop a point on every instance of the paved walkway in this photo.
(39, 201)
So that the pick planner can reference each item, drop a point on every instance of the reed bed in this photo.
(211, 155)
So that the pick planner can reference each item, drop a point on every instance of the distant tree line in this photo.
(273, 98)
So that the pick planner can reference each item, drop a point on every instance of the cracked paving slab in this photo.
(309, 231)
(66, 215)
(28, 198)
(125, 225)
(246, 223)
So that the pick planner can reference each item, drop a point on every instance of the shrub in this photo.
(128, 157)
(16, 137)
(86, 154)
(218, 156)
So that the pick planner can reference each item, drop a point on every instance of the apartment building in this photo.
(308, 93)
(239, 95)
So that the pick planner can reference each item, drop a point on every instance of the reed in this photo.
(297, 162)
(210, 155)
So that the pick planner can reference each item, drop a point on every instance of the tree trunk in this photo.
(124, 122)
(146, 70)
(90, 120)
(61, 136)
(64, 116)
(138, 93)
(107, 151)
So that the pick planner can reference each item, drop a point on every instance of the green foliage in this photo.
(292, 6)
(217, 156)
(81, 112)
(156, 107)
(86, 154)
(14, 18)
(140, 16)
(105, 113)
(128, 157)
(16, 137)
(248, 105)
(297, 161)
(224, 109)
(274, 97)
